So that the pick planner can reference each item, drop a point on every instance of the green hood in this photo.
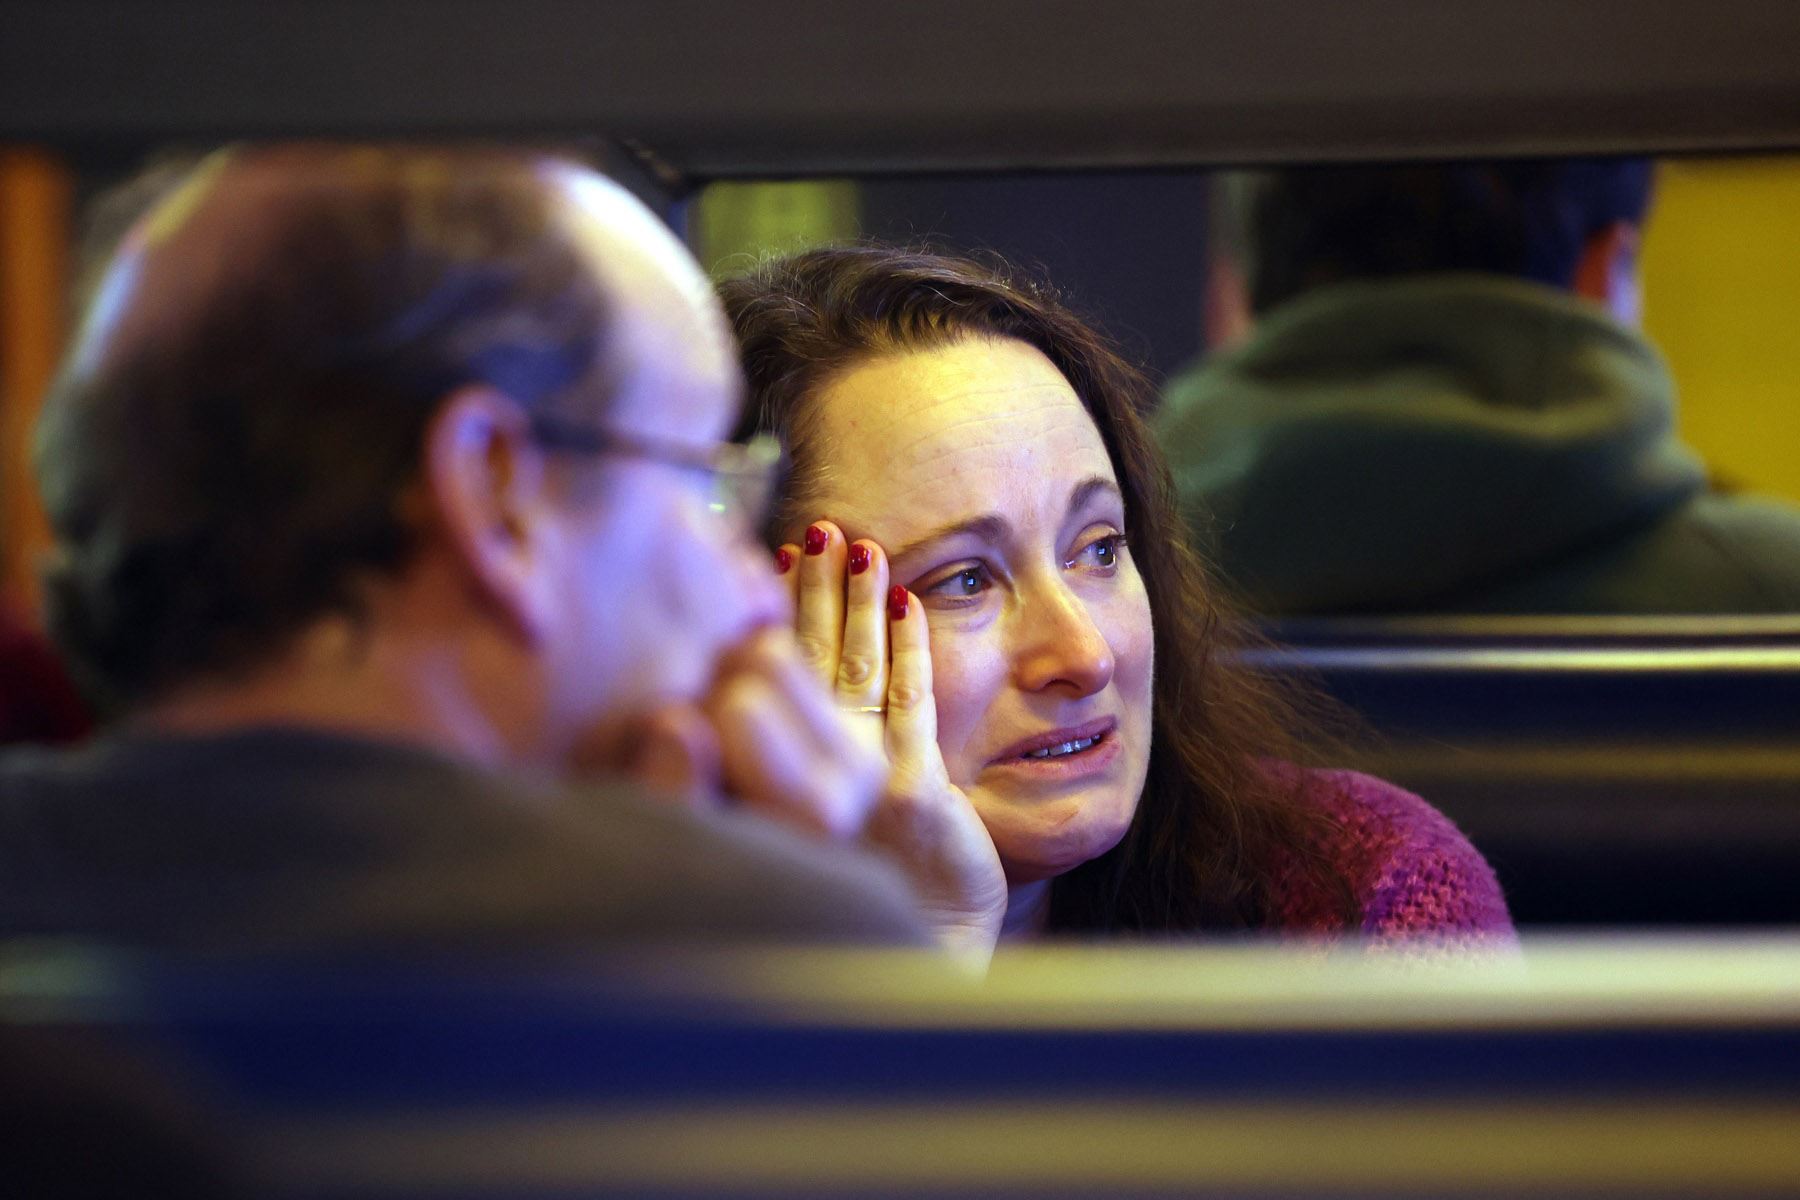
(1384, 444)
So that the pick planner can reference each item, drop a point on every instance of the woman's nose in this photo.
(1060, 646)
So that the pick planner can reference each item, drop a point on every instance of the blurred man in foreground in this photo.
(389, 498)
(1444, 405)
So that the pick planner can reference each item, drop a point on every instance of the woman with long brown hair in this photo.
(987, 565)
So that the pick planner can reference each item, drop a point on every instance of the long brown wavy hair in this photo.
(1220, 839)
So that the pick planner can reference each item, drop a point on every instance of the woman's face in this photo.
(976, 468)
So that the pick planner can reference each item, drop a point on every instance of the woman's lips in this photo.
(1100, 727)
(1092, 759)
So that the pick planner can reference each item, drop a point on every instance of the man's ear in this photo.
(1606, 272)
(485, 476)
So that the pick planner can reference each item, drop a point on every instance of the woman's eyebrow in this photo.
(990, 528)
(1087, 488)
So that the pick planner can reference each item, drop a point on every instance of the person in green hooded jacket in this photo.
(1437, 399)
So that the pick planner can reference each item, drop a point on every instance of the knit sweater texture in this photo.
(1415, 877)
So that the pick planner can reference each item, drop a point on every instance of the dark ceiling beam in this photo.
(734, 87)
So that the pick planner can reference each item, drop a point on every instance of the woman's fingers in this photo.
(819, 605)
(840, 619)
(862, 674)
(911, 711)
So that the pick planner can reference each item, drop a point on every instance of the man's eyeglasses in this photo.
(744, 478)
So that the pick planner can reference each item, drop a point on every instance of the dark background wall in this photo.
(1126, 249)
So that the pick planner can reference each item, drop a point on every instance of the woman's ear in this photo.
(485, 476)
(1606, 272)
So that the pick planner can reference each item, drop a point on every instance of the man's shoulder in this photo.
(326, 839)
(1718, 553)
(1762, 526)
(726, 866)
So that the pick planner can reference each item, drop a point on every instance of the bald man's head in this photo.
(224, 455)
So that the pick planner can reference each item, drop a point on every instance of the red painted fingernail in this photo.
(859, 558)
(816, 539)
(783, 560)
(897, 601)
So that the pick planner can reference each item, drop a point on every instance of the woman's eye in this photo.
(1102, 553)
(959, 585)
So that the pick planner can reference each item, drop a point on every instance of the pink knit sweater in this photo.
(1414, 874)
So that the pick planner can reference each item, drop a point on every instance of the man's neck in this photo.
(373, 690)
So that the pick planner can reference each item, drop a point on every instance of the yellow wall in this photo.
(1721, 279)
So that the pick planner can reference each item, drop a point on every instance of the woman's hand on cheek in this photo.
(869, 641)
